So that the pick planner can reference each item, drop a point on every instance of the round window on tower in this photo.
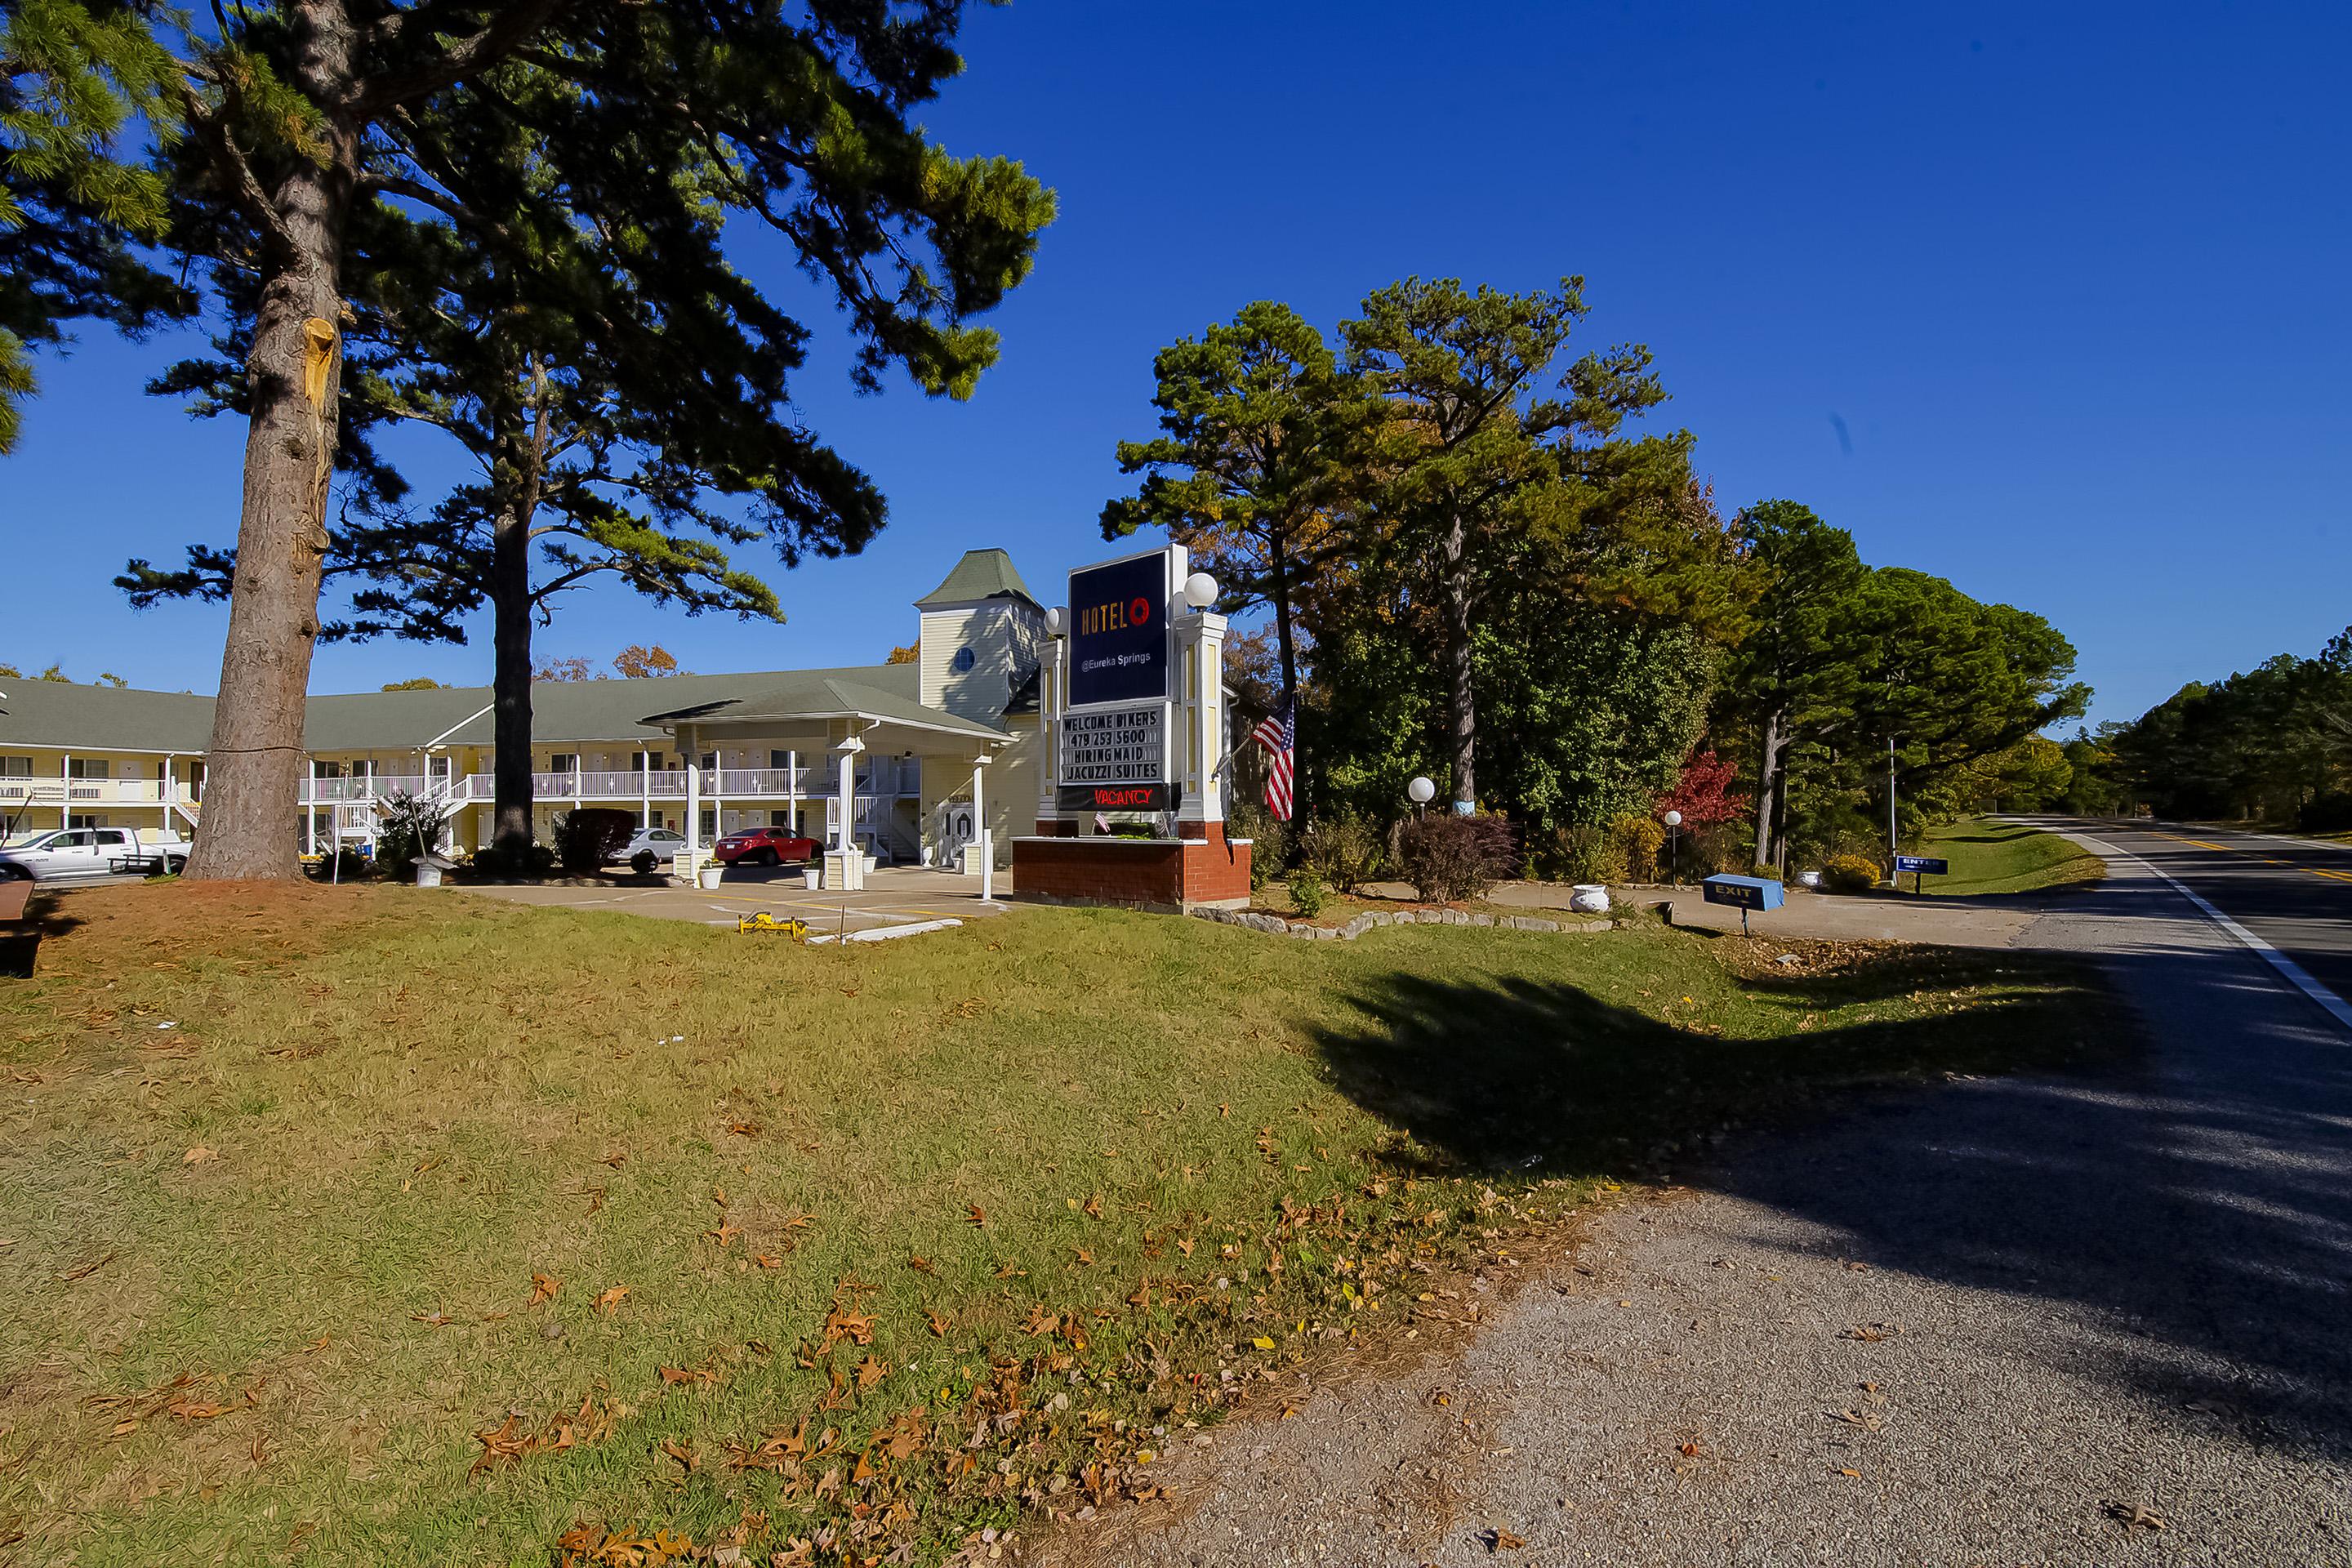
(962, 661)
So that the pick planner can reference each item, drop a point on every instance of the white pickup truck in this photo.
(67, 853)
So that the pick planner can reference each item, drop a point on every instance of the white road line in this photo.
(2294, 974)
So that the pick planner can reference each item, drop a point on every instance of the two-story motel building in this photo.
(904, 761)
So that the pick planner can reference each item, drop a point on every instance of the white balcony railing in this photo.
(94, 792)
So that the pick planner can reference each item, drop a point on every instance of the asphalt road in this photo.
(2095, 1319)
(2293, 894)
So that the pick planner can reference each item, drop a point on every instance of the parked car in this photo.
(661, 843)
(766, 847)
(66, 854)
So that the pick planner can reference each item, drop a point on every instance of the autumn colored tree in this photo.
(638, 662)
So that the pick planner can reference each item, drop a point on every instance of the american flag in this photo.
(1278, 733)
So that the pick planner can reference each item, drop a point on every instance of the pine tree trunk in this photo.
(1461, 699)
(254, 768)
(1768, 776)
(510, 823)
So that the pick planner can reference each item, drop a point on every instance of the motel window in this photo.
(709, 824)
(780, 759)
(16, 767)
(323, 770)
(89, 768)
(709, 762)
(563, 762)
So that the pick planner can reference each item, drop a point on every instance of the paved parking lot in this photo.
(891, 897)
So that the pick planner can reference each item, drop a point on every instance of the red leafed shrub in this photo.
(1704, 793)
(1447, 857)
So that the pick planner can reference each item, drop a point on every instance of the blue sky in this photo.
(2072, 280)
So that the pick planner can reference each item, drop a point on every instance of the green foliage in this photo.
(589, 836)
(408, 826)
(75, 199)
(1580, 852)
(1270, 840)
(1346, 850)
(2266, 744)
(1448, 857)
(1309, 895)
(1849, 874)
(1637, 841)
(1261, 435)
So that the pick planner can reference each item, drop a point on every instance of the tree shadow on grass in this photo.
(2195, 1205)
(1499, 1076)
(20, 945)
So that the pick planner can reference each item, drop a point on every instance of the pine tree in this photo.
(304, 120)
(75, 201)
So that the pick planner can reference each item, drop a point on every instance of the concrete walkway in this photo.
(2094, 1320)
(891, 897)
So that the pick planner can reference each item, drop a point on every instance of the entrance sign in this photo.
(1112, 798)
(1116, 746)
(1120, 643)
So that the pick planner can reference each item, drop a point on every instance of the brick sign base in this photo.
(1203, 870)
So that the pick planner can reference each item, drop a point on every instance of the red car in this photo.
(766, 847)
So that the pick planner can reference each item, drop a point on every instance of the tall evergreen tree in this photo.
(75, 199)
(1471, 452)
(1261, 438)
(300, 115)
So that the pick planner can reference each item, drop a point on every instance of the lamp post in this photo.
(1673, 864)
(1421, 792)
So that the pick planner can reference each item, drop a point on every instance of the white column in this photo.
(1204, 719)
(987, 840)
(1051, 677)
(644, 788)
(844, 831)
(65, 792)
(167, 788)
(692, 758)
(793, 789)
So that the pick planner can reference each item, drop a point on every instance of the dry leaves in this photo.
(611, 1299)
(977, 1215)
(543, 1289)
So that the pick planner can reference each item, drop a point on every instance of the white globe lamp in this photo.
(1673, 820)
(1200, 590)
(1057, 621)
(1422, 791)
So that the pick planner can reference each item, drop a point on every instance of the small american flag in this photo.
(1278, 733)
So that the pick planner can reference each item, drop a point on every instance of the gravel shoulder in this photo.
(2090, 1319)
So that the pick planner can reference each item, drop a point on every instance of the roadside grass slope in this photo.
(381, 1226)
(1989, 856)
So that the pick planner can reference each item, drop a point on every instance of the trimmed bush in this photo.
(587, 838)
(1850, 874)
(1307, 893)
(1448, 857)
(1636, 841)
(1582, 852)
(1345, 851)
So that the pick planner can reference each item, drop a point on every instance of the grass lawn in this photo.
(1990, 857)
(372, 1226)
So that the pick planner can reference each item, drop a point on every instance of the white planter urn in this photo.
(1588, 898)
(711, 876)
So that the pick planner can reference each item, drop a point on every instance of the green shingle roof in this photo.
(56, 713)
(981, 575)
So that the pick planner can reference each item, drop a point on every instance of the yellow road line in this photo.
(2250, 855)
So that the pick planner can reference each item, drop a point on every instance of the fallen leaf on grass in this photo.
(543, 1289)
(676, 1375)
(977, 1215)
(1081, 1257)
(841, 1323)
(680, 1452)
(744, 1129)
(1092, 1207)
(937, 1324)
(611, 1299)
(871, 1371)
(1262, 1343)
(920, 1265)
(434, 1319)
(84, 1270)
(767, 1260)
(198, 1155)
